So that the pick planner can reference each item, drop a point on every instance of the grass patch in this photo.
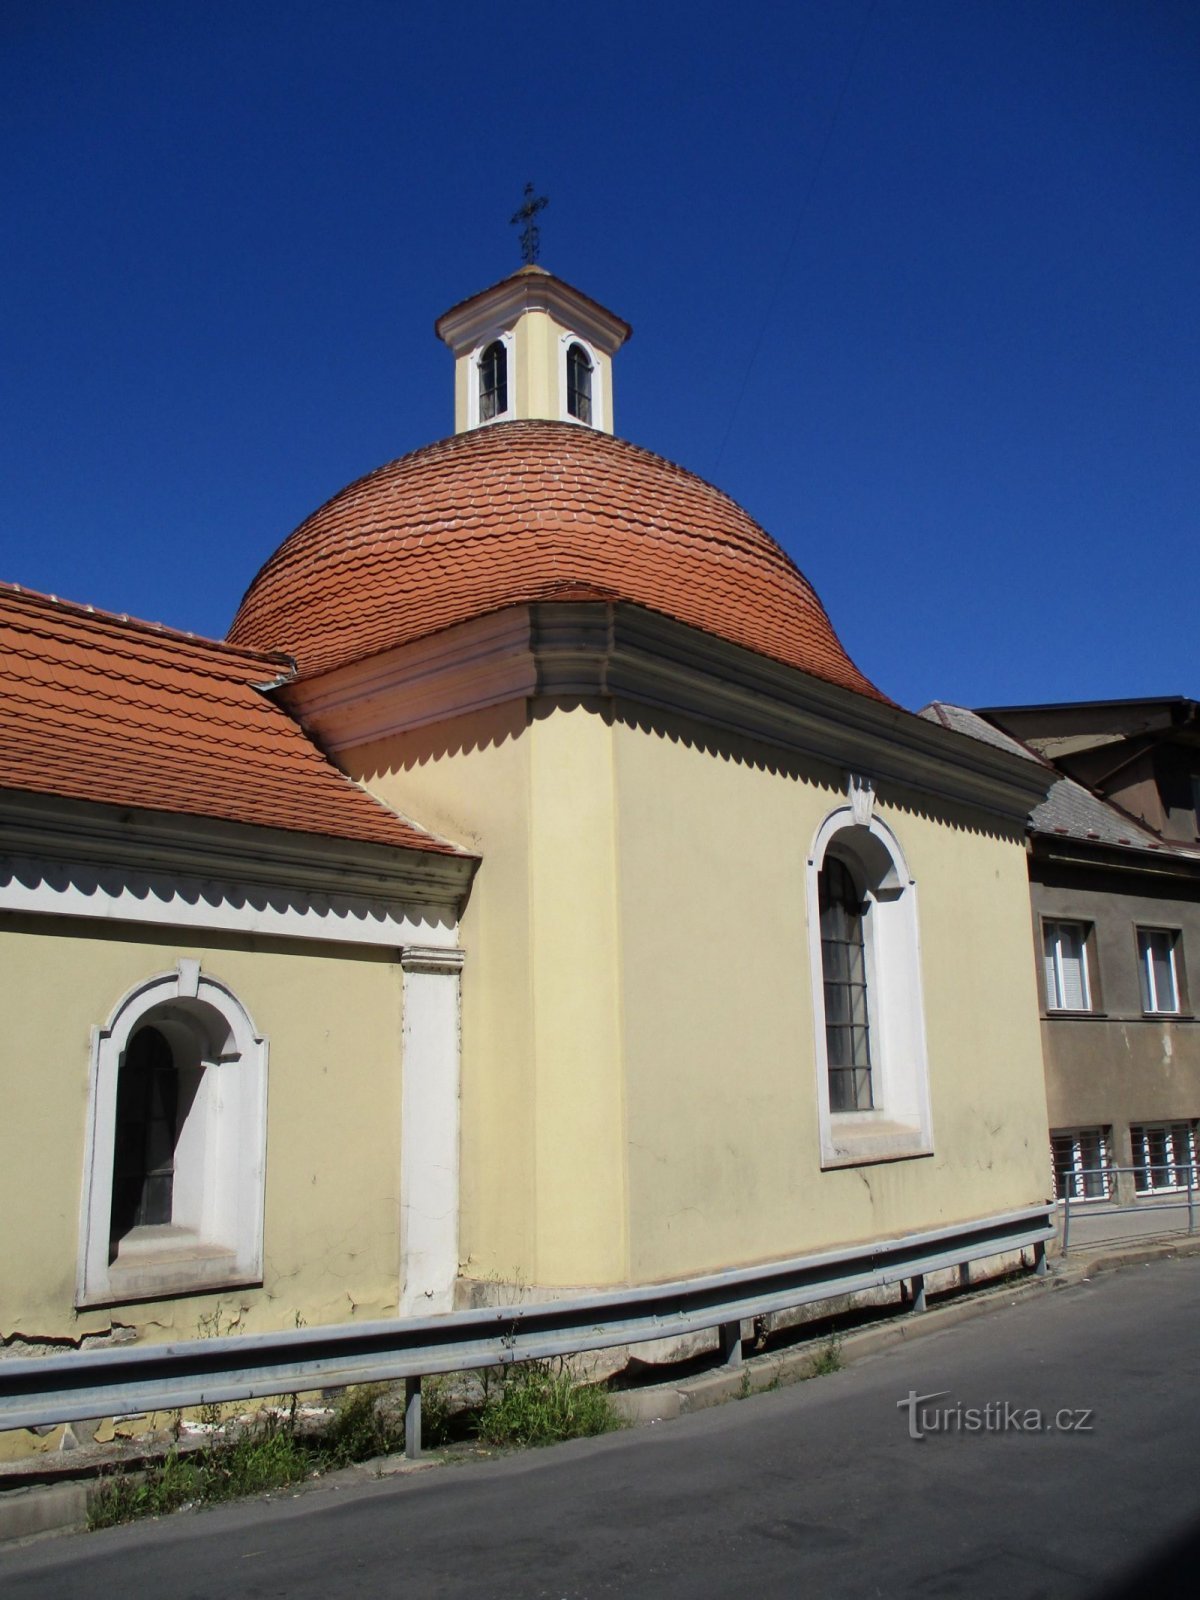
(528, 1403)
(828, 1358)
(241, 1462)
(540, 1402)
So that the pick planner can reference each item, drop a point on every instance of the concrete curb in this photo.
(35, 1511)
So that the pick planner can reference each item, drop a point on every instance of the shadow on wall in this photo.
(497, 725)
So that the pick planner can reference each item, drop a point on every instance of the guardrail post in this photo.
(412, 1418)
(1066, 1244)
(918, 1292)
(964, 1275)
(731, 1344)
(1039, 1258)
(1191, 1198)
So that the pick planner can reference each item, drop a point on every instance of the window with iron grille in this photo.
(579, 384)
(1163, 1155)
(844, 968)
(1081, 1163)
(493, 381)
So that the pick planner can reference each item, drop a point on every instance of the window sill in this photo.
(860, 1138)
(153, 1263)
(1055, 1014)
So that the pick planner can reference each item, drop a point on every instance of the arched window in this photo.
(868, 1011)
(493, 381)
(176, 1153)
(147, 1127)
(579, 384)
(844, 968)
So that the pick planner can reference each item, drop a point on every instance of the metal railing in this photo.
(1148, 1204)
(109, 1382)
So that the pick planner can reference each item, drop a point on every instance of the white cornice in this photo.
(72, 858)
(480, 663)
(619, 651)
(463, 327)
(54, 887)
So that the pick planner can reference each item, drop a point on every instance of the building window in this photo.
(1164, 1156)
(579, 384)
(869, 1018)
(844, 967)
(1081, 1164)
(147, 1128)
(493, 381)
(1158, 969)
(1065, 964)
(176, 1145)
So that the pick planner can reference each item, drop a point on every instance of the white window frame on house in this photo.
(1159, 997)
(1090, 1153)
(1164, 1169)
(565, 342)
(475, 418)
(214, 1239)
(1056, 964)
(899, 1123)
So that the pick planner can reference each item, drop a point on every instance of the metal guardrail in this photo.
(113, 1382)
(1150, 1203)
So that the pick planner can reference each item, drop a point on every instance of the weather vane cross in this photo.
(530, 234)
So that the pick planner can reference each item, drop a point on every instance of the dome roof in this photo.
(519, 512)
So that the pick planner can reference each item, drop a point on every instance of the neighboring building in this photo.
(1116, 905)
(705, 1021)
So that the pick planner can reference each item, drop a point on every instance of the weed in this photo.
(828, 1358)
(241, 1462)
(363, 1425)
(540, 1402)
(744, 1390)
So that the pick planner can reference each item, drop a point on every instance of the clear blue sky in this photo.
(915, 282)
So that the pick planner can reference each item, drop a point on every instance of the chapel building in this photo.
(530, 891)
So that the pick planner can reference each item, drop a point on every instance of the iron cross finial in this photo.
(530, 233)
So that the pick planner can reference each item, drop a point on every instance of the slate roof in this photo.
(519, 512)
(1069, 810)
(105, 708)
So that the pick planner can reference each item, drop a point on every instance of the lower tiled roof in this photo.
(100, 707)
(519, 512)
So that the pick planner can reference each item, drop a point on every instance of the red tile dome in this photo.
(519, 512)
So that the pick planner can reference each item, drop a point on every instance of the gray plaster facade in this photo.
(1115, 904)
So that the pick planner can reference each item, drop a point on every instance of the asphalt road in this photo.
(816, 1490)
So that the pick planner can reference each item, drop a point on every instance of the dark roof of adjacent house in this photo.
(520, 512)
(106, 708)
(1069, 810)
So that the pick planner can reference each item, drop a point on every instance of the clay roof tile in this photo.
(519, 512)
(100, 707)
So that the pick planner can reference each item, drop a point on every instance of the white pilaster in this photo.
(429, 1155)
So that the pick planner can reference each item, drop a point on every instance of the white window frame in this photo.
(1080, 1173)
(1055, 992)
(599, 399)
(1151, 999)
(1180, 1140)
(900, 1122)
(215, 1239)
(508, 340)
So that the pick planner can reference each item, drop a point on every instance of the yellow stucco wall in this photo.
(639, 1092)
(332, 1019)
(724, 1149)
(469, 779)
